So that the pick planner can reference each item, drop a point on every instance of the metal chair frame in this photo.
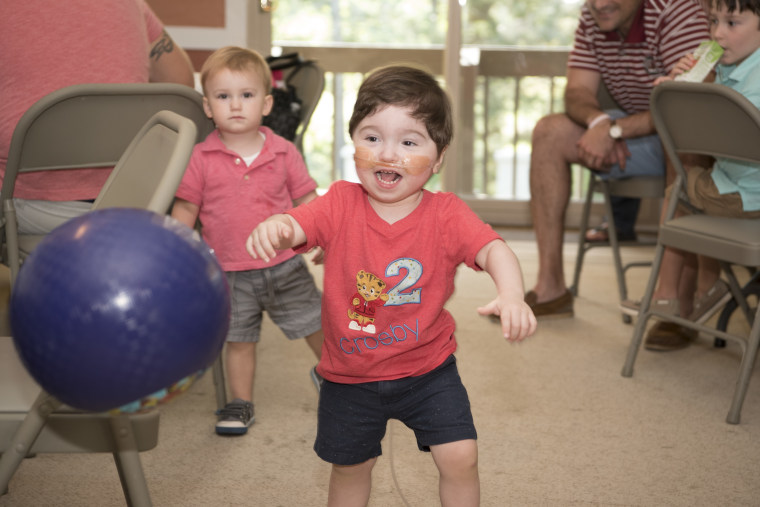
(639, 187)
(119, 126)
(706, 119)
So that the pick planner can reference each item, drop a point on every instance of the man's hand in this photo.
(598, 151)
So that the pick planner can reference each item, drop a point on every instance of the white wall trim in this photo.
(234, 33)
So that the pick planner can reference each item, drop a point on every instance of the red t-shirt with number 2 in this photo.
(403, 271)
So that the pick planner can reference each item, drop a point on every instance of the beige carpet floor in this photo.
(558, 425)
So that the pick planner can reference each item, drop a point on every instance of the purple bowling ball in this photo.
(118, 304)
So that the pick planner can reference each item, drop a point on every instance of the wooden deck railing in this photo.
(476, 171)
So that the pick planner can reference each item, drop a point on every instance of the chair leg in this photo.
(614, 244)
(641, 321)
(582, 235)
(745, 371)
(752, 288)
(220, 385)
(11, 238)
(615, 247)
(635, 345)
(737, 291)
(25, 436)
(128, 464)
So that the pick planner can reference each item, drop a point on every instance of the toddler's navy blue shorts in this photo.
(353, 417)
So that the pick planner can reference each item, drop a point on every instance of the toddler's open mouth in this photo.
(387, 176)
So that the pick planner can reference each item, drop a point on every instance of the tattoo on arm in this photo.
(164, 45)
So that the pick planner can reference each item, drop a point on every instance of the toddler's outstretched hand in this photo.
(517, 319)
(268, 237)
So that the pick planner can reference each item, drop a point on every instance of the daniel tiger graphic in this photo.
(369, 295)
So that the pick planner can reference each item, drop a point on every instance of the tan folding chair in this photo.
(640, 187)
(309, 81)
(146, 176)
(87, 125)
(32, 421)
(714, 120)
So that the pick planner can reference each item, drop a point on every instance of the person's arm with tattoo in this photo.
(169, 62)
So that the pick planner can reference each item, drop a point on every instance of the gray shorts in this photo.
(286, 292)
(41, 217)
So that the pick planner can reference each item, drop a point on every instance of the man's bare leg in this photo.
(554, 149)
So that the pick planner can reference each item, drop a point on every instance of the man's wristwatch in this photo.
(616, 131)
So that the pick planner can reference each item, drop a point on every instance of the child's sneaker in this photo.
(234, 418)
(316, 378)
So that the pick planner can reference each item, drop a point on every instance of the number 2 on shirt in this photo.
(398, 294)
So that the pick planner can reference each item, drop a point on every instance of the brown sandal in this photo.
(601, 234)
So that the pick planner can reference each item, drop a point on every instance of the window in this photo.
(505, 107)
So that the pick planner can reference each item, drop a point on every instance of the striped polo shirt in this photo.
(662, 32)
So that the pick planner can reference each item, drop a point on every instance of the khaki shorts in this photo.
(704, 195)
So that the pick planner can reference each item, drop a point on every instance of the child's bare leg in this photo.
(350, 485)
(315, 342)
(457, 464)
(709, 273)
(688, 284)
(241, 367)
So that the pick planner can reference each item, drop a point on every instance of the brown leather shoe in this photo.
(552, 309)
(667, 336)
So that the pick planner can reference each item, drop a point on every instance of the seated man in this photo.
(66, 43)
(627, 44)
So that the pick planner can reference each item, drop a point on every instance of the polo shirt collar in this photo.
(740, 71)
(273, 143)
(214, 142)
(636, 34)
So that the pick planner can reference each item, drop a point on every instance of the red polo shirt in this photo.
(234, 198)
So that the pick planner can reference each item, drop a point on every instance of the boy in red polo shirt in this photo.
(239, 175)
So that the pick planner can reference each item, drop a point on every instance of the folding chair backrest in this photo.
(87, 125)
(149, 172)
(706, 118)
(309, 81)
(91, 125)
